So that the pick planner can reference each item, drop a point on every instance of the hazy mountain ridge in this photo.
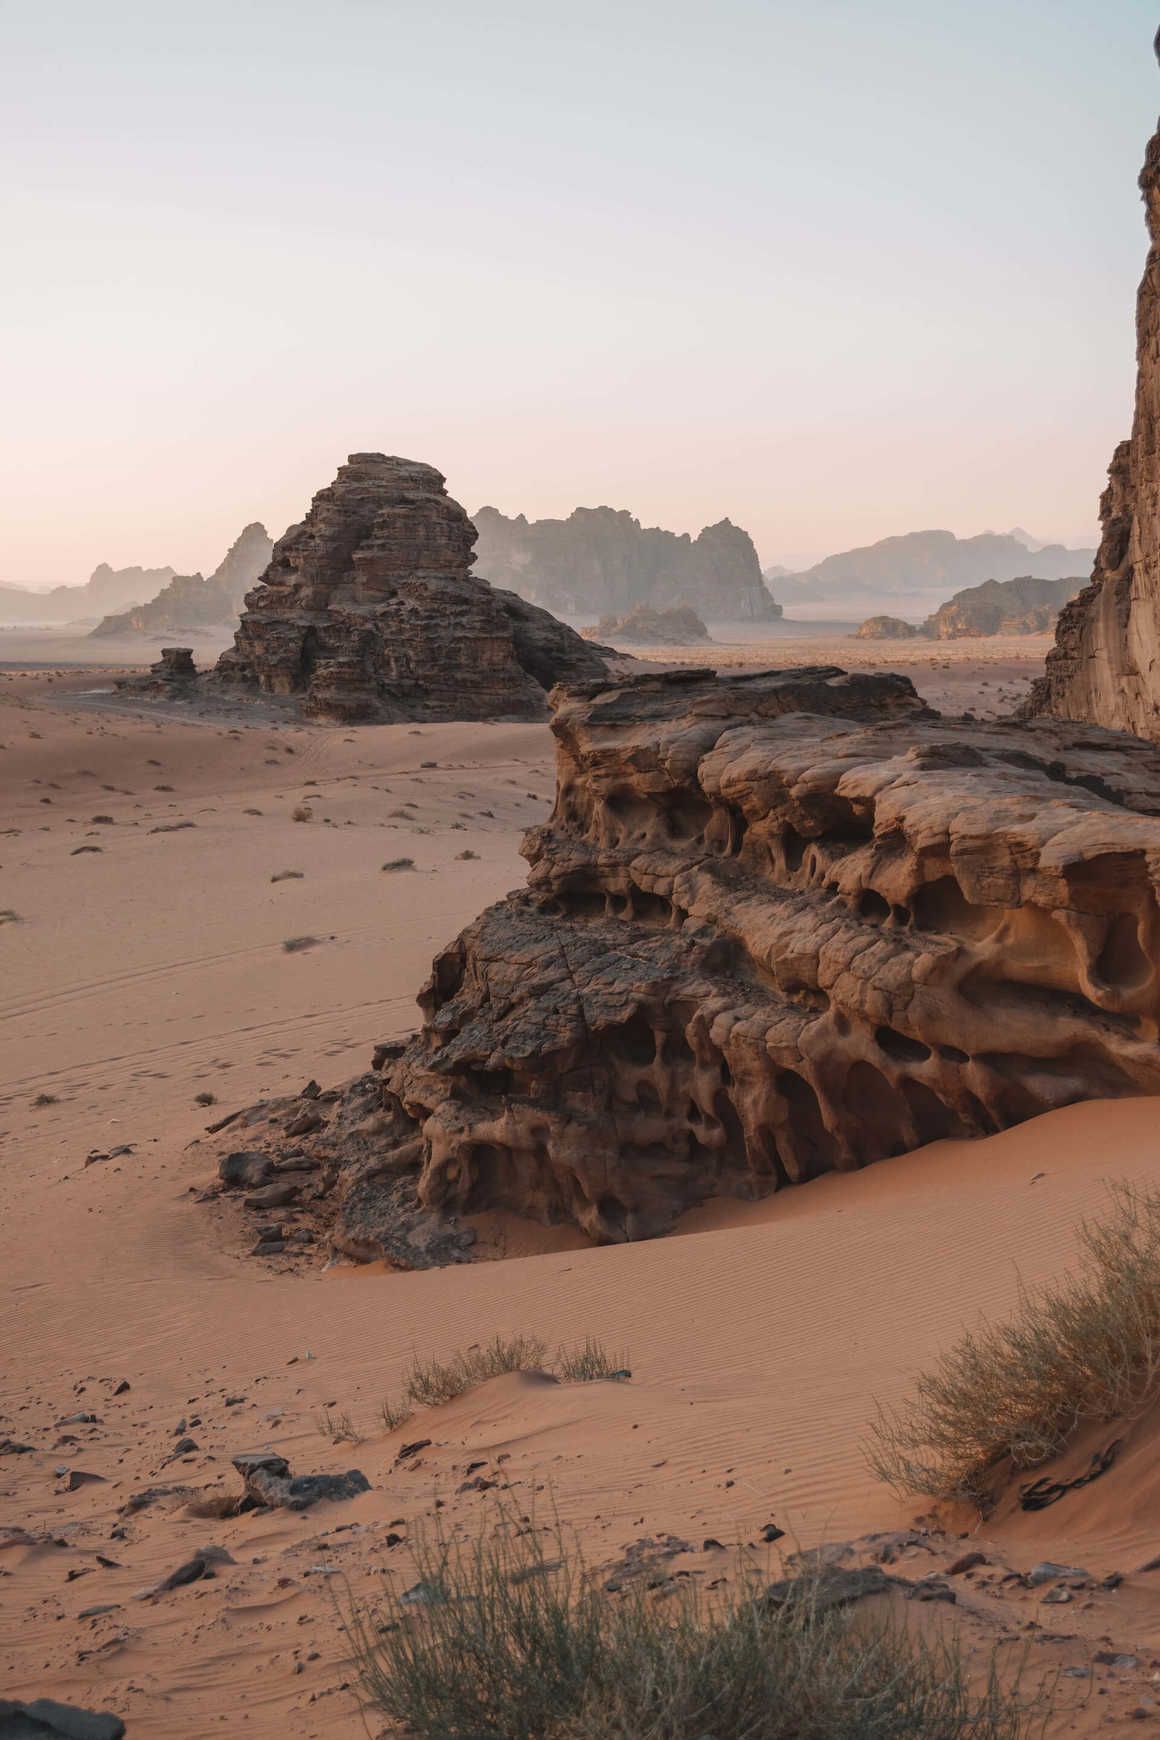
(106, 589)
(602, 561)
(190, 601)
(917, 564)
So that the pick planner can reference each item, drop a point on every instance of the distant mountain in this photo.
(603, 562)
(106, 589)
(925, 566)
(192, 602)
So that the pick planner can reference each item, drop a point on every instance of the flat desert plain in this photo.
(149, 969)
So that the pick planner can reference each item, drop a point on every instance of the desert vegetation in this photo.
(1009, 1396)
(509, 1634)
(429, 1382)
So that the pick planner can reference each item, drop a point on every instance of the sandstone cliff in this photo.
(603, 561)
(886, 628)
(190, 601)
(1105, 664)
(368, 611)
(778, 924)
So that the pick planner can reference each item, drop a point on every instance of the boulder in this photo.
(44, 1719)
(886, 628)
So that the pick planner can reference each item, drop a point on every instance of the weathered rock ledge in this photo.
(778, 924)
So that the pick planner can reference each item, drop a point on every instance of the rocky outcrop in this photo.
(1105, 665)
(1025, 605)
(191, 602)
(777, 925)
(602, 560)
(645, 626)
(886, 628)
(173, 677)
(368, 611)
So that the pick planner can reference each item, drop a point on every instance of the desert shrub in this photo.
(507, 1637)
(301, 813)
(432, 1381)
(586, 1364)
(467, 853)
(399, 864)
(339, 1428)
(205, 1099)
(287, 876)
(294, 945)
(46, 1100)
(9, 917)
(1081, 1349)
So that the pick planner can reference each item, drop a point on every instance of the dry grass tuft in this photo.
(509, 1635)
(287, 876)
(301, 813)
(434, 1381)
(399, 864)
(1082, 1349)
(339, 1428)
(205, 1099)
(294, 945)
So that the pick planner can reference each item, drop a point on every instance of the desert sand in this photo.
(760, 1337)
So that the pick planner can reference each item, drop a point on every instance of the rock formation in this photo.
(602, 560)
(368, 611)
(1105, 665)
(886, 628)
(645, 626)
(778, 924)
(1025, 605)
(191, 602)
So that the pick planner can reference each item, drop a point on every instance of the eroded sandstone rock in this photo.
(369, 611)
(679, 626)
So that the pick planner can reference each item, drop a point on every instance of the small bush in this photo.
(512, 1637)
(399, 864)
(46, 1100)
(430, 1382)
(1081, 1349)
(294, 945)
(468, 853)
(301, 813)
(394, 1415)
(339, 1428)
(9, 917)
(287, 876)
(205, 1099)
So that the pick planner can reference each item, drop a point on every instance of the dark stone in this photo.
(833, 1586)
(244, 1169)
(44, 1719)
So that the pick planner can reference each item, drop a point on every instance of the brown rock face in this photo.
(1025, 605)
(368, 610)
(1105, 665)
(777, 925)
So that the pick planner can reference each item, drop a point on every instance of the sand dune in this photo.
(759, 1337)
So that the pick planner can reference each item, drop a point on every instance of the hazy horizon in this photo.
(837, 275)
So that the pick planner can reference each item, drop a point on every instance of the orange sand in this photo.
(759, 1337)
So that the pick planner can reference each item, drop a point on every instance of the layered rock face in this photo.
(1105, 665)
(602, 560)
(777, 925)
(368, 611)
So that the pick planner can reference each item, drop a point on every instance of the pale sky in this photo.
(837, 269)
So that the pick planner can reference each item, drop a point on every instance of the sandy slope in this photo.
(759, 1338)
